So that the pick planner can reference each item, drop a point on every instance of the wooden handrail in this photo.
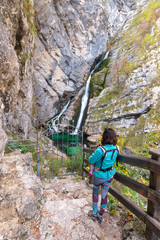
(146, 163)
(152, 192)
(140, 188)
(152, 223)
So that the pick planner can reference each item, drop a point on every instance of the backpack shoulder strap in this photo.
(117, 148)
(104, 154)
(104, 150)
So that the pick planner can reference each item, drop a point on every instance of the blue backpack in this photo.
(105, 155)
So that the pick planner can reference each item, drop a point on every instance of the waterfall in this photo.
(54, 122)
(85, 97)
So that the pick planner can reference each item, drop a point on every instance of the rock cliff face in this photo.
(47, 49)
(3, 136)
(16, 50)
(130, 100)
(70, 35)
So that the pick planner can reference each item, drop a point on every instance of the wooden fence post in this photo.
(153, 209)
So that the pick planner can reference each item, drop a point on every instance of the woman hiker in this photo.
(103, 158)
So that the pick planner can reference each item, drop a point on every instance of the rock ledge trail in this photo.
(65, 213)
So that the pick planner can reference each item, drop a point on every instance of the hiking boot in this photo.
(93, 215)
(99, 218)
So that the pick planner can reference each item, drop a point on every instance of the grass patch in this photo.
(109, 96)
(23, 146)
(29, 12)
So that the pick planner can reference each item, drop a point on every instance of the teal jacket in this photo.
(96, 157)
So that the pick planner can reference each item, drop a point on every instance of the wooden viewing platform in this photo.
(152, 192)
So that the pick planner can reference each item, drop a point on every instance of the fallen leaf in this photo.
(114, 235)
(20, 221)
(32, 226)
(114, 212)
(35, 230)
(45, 212)
(11, 229)
(129, 217)
(77, 221)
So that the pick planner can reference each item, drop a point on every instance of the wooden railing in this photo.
(152, 192)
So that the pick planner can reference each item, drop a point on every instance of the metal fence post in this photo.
(153, 209)
(82, 157)
(83, 163)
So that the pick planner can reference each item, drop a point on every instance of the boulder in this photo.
(21, 194)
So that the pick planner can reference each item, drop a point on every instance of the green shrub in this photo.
(74, 164)
(24, 57)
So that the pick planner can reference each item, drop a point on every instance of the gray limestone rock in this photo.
(16, 51)
(3, 136)
(20, 196)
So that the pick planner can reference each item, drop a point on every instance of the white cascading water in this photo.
(54, 122)
(85, 97)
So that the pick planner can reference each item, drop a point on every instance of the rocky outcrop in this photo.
(17, 32)
(20, 196)
(3, 137)
(130, 100)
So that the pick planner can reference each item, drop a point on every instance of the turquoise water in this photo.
(68, 143)
(65, 137)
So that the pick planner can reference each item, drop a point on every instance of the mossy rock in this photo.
(103, 65)
(137, 141)
(111, 94)
(97, 83)
(98, 78)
